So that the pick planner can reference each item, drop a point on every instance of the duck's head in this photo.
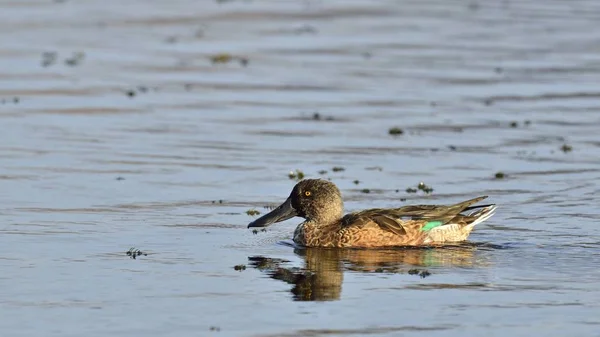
(312, 199)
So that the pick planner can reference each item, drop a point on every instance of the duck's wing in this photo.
(402, 220)
(379, 216)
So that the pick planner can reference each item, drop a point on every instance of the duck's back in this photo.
(412, 225)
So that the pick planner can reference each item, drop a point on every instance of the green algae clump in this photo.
(396, 131)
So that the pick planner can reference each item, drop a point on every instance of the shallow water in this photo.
(119, 131)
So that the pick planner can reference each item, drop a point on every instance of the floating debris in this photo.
(252, 212)
(119, 178)
(500, 175)
(338, 169)
(422, 273)
(298, 175)
(395, 131)
(488, 101)
(527, 122)
(514, 124)
(220, 201)
(498, 70)
(256, 231)
(221, 58)
(239, 267)
(139, 89)
(420, 187)
(374, 168)
(316, 116)
(452, 147)
(424, 188)
(134, 253)
(323, 172)
(15, 100)
(366, 190)
(566, 148)
(306, 29)
(356, 182)
(225, 58)
(76, 59)
(49, 58)
(214, 328)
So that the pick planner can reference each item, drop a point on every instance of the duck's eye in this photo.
(307, 193)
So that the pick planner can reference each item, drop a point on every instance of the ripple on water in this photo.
(119, 131)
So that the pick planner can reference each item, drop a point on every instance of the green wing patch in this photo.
(431, 225)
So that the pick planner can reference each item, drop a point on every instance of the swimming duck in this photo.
(320, 203)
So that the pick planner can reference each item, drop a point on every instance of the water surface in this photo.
(119, 131)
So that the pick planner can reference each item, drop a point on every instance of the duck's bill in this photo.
(283, 212)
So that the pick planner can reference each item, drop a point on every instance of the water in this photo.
(118, 131)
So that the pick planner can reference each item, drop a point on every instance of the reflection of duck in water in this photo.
(322, 276)
(320, 203)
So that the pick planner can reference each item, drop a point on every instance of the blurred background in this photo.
(165, 127)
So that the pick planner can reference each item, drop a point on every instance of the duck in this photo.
(320, 203)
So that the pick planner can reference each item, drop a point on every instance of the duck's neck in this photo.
(321, 229)
(329, 214)
(321, 224)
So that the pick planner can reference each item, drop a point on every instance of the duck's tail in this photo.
(481, 213)
(459, 228)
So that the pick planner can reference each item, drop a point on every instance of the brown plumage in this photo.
(320, 203)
